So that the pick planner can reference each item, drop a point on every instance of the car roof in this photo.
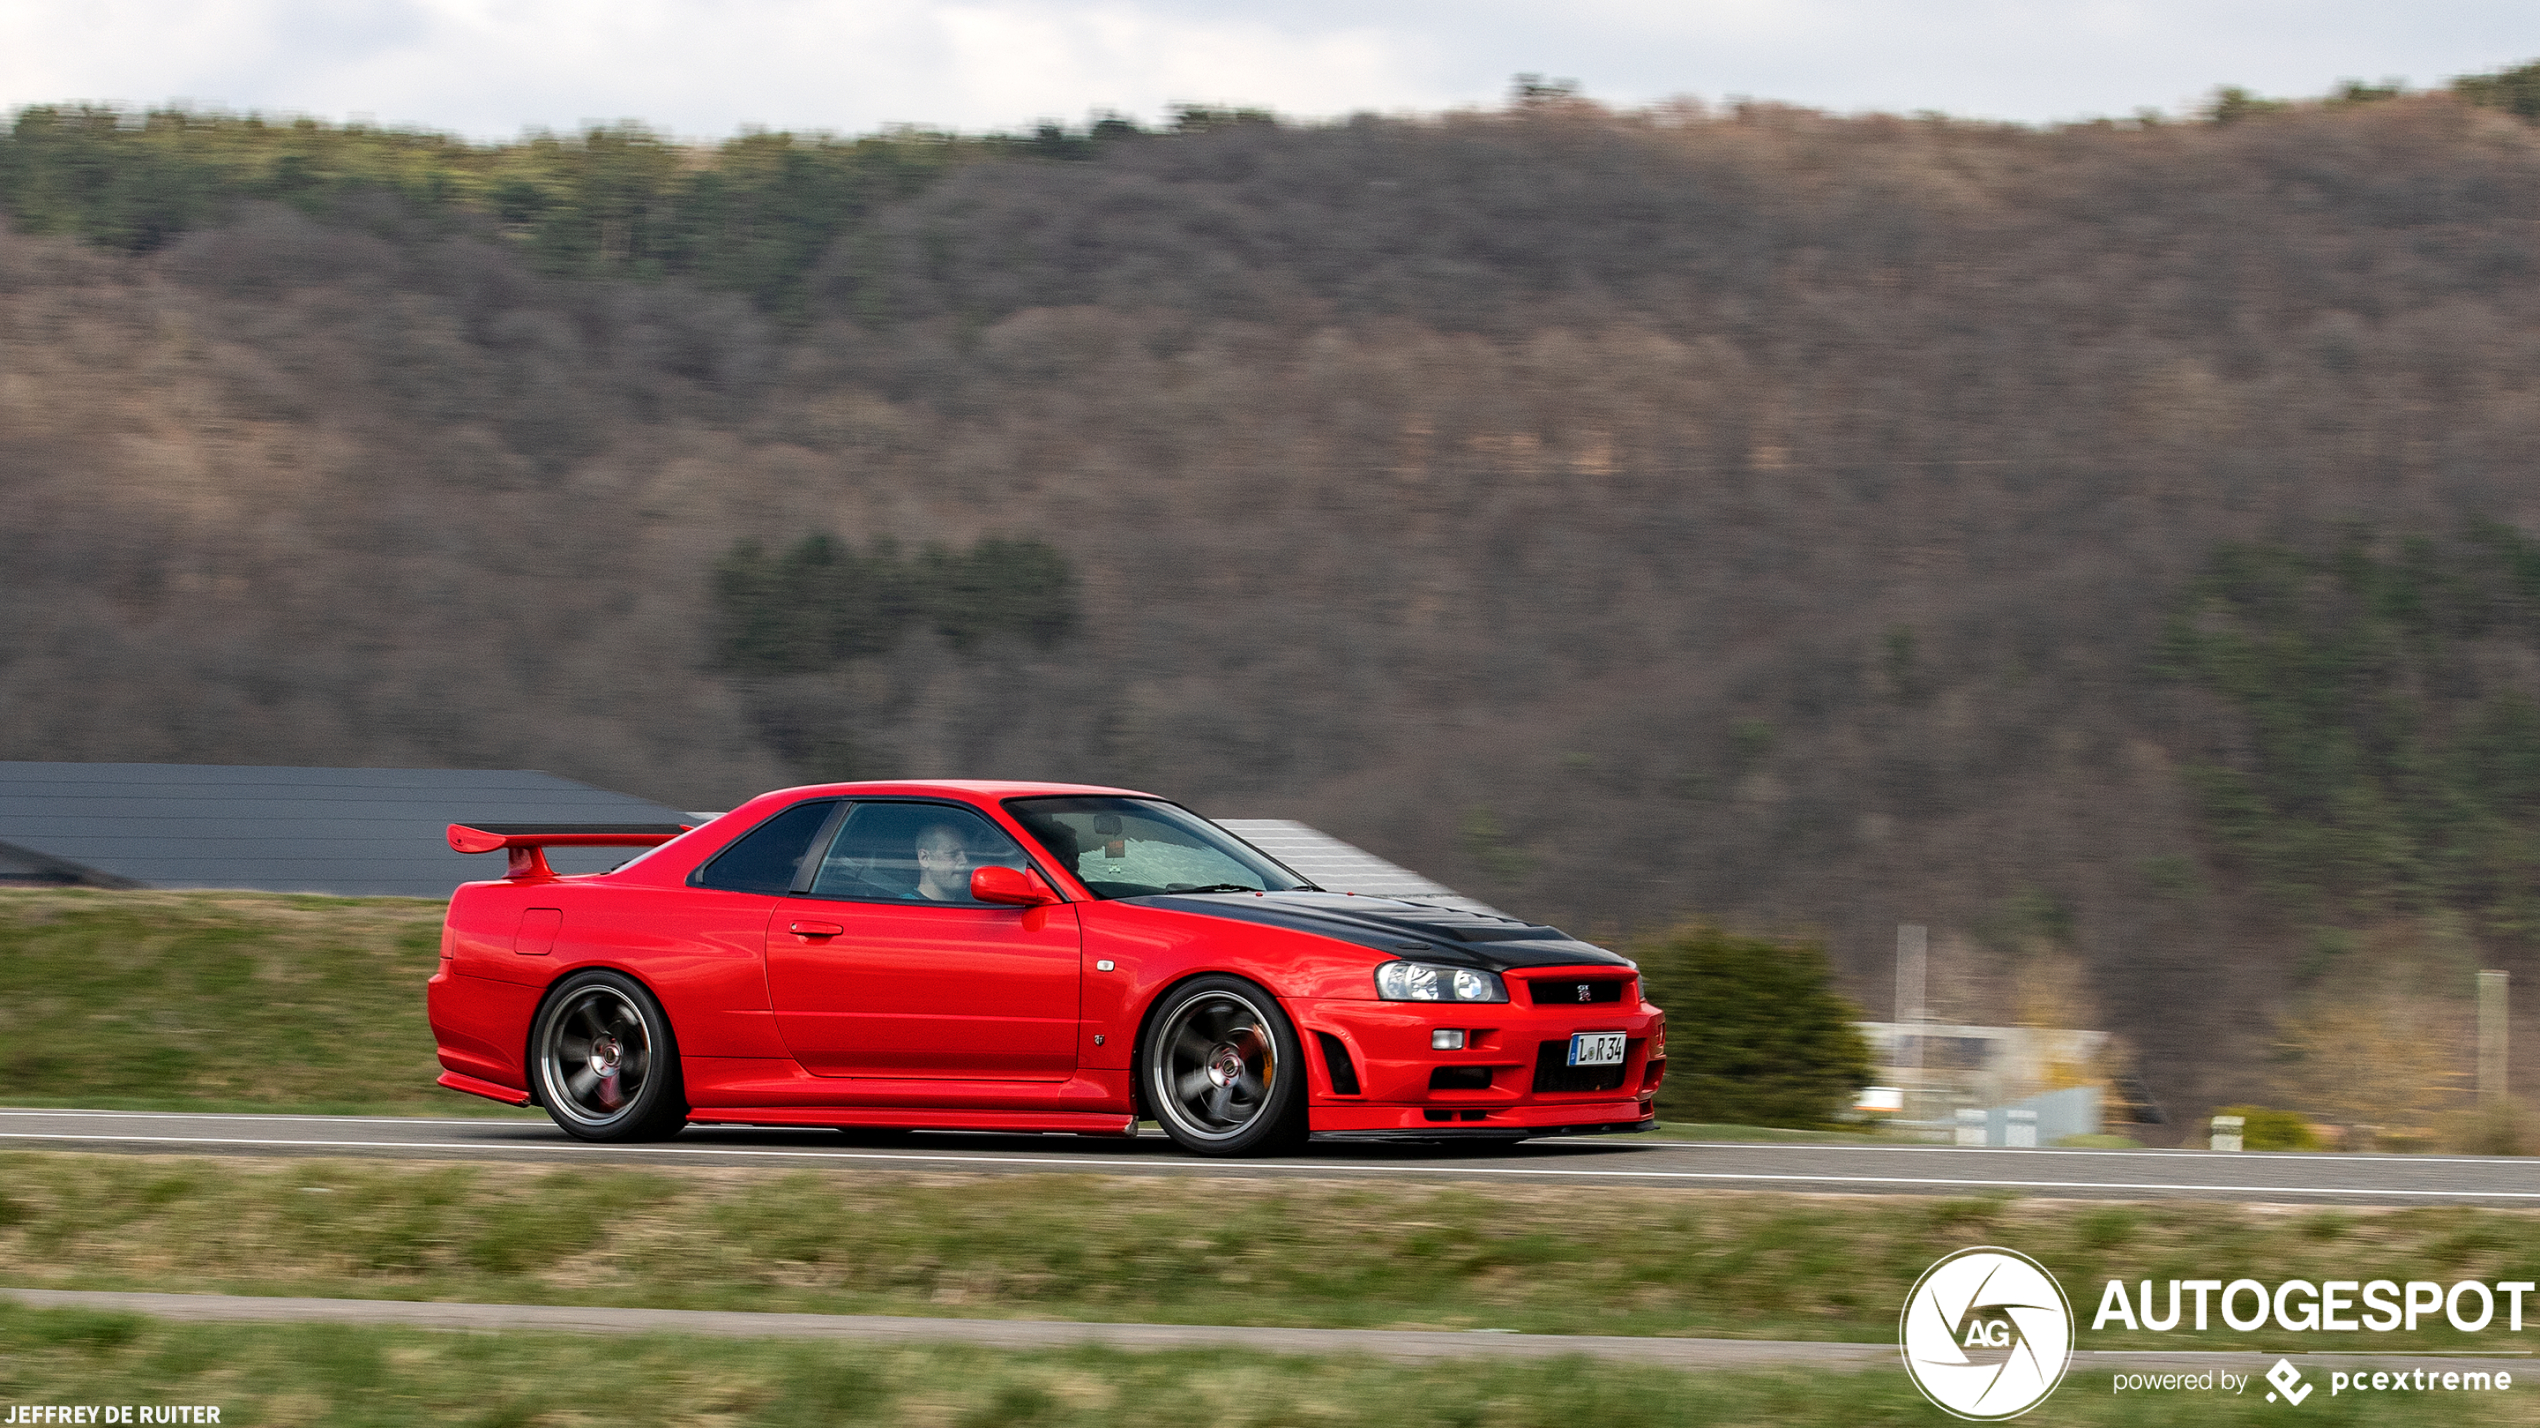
(966, 788)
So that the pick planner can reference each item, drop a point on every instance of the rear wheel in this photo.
(1222, 1071)
(606, 1065)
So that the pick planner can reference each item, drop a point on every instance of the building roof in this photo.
(1335, 866)
(377, 832)
(353, 831)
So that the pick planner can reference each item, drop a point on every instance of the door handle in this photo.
(817, 929)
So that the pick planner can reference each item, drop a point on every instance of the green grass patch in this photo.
(219, 1001)
(261, 1374)
(1540, 1259)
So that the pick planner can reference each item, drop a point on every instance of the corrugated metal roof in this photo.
(1335, 866)
(358, 831)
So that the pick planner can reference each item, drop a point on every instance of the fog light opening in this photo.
(1444, 1039)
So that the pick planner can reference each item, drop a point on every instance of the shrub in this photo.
(2262, 1129)
(2488, 1130)
(1756, 1033)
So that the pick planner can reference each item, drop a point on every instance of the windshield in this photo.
(1130, 847)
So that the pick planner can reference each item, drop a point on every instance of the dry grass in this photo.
(1215, 1250)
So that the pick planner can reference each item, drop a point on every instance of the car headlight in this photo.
(1428, 982)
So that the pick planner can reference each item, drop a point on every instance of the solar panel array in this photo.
(380, 831)
(1331, 864)
(354, 831)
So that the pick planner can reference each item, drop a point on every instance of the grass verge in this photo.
(336, 1374)
(197, 1000)
(1556, 1260)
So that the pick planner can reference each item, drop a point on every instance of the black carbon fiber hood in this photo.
(1405, 928)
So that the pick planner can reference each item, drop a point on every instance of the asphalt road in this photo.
(1830, 1169)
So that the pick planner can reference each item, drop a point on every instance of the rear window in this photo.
(769, 857)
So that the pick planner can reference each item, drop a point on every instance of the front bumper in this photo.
(1509, 1082)
(1429, 1132)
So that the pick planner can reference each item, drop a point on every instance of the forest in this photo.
(2113, 545)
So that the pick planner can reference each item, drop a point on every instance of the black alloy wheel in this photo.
(1221, 1069)
(605, 1064)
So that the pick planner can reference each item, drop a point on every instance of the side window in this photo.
(912, 852)
(767, 858)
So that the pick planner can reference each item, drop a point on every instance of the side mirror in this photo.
(1015, 887)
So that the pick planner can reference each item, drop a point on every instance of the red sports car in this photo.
(883, 957)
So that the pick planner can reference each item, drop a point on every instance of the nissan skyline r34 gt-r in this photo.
(884, 957)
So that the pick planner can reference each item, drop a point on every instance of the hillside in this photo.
(1775, 516)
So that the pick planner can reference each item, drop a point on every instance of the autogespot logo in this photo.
(1987, 1334)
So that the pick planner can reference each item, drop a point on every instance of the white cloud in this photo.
(706, 67)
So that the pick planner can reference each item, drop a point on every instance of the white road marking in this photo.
(1636, 1145)
(1317, 1168)
(300, 1120)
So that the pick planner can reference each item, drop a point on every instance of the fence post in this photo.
(2227, 1128)
(1911, 945)
(2491, 1037)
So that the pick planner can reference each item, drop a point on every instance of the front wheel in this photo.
(1222, 1071)
(606, 1066)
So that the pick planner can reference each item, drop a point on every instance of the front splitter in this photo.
(1506, 1133)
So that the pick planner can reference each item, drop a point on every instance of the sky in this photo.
(704, 69)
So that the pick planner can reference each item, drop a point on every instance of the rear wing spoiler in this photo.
(527, 842)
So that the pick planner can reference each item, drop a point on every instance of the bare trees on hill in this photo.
(1759, 513)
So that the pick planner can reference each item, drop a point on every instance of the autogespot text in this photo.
(2335, 1306)
(2376, 1306)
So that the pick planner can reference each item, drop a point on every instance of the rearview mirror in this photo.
(1015, 887)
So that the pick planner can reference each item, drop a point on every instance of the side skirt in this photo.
(1107, 1123)
(457, 1081)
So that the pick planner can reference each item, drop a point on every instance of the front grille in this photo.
(1577, 991)
(1553, 1071)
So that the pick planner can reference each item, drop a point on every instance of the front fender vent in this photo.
(1336, 1064)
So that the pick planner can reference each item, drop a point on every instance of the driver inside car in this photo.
(943, 864)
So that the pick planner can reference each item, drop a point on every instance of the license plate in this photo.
(1597, 1048)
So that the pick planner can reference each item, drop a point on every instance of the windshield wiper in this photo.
(1217, 887)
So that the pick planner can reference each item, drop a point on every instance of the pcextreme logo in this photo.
(1986, 1334)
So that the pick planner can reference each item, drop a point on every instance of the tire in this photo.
(604, 1062)
(1221, 1070)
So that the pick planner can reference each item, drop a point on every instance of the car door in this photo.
(884, 966)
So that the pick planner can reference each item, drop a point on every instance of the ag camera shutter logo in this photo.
(1986, 1334)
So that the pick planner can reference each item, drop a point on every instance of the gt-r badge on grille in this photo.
(1585, 991)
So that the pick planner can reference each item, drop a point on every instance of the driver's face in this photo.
(942, 855)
